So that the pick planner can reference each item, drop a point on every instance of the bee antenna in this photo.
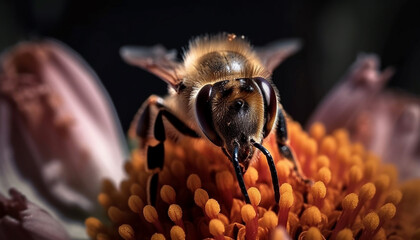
(273, 170)
(238, 172)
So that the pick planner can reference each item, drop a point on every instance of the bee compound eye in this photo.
(270, 102)
(204, 116)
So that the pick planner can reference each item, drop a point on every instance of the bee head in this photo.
(237, 111)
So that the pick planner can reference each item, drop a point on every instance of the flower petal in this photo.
(21, 219)
(59, 134)
(386, 122)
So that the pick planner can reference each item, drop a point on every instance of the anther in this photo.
(168, 195)
(175, 214)
(126, 232)
(345, 234)
(135, 203)
(177, 233)
(224, 180)
(270, 220)
(317, 131)
(212, 208)
(248, 213)
(394, 197)
(216, 228)
(201, 197)
(158, 236)
(193, 182)
(311, 216)
(322, 161)
(324, 175)
(150, 214)
(251, 176)
(313, 233)
(254, 196)
(328, 146)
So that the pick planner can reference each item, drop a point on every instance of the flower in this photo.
(354, 194)
(58, 134)
(385, 121)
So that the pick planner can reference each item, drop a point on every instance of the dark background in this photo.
(333, 32)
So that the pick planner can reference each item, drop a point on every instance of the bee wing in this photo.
(274, 53)
(157, 60)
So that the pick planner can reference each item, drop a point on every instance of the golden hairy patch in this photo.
(218, 57)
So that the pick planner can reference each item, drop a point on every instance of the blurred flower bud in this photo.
(59, 135)
(386, 122)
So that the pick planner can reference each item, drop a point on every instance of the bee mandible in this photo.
(222, 92)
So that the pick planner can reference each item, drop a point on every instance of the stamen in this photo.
(345, 234)
(349, 204)
(201, 197)
(394, 197)
(318, 191)
(286, 202)
(313, 233)
(104, 200)
(126, 232)
(254, 196)
(328, 146)
(381, 183)
(136, 189)
(93, 227)
(212, 208)
(168, 195)
(177, 233)
(322, 161)
(136, 204)
(116, 215)
(193, 182)
(223, 218)
(175, 214)
(311, 216)
(324, 175)
(151, 216)
(355, 176)
(369, 169)
(317, 131)
(342, 136)
(249, 216)
(217, 229)
(251, 176)
(269, 220)
(370, 223)
(158, 236)
(286, 187)
(224, 182)
(386, 213)
(283, 170)
(102, 236)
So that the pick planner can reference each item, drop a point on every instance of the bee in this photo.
(221, 92)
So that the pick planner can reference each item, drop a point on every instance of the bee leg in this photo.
(156, 154)
(285, 149)
(238, 171)
(273, 170)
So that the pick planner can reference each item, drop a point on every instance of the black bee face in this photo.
(237, 112)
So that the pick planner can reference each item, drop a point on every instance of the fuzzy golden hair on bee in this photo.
(220, 56)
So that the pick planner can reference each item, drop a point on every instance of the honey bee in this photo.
(222, 92)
